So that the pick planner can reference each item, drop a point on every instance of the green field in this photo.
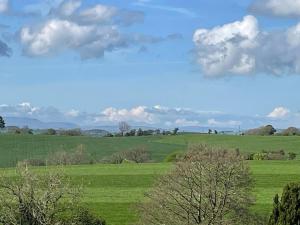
(112, 191)
(14, 148)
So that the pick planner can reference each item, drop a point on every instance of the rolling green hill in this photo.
(14, 148)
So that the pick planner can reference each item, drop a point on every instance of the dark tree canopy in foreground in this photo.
(286, 211)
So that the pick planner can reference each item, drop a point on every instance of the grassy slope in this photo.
(113, 190)
(14, 148)
(17, 147)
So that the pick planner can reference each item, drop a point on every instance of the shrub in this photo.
(174, 156)
(291, 131)
(138, 155)
(260, 156)
(78, 156)
(265, 130)
(84, 217)
(292, 155)
(72, 132)
(50, 132)
(34, 162)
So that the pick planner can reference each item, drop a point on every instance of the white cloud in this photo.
(279, 113)
(58, 35)
(98, 14)
(137, 114)
(240, 48)
(72, 113)
(226, 49)
(179, 10)
(281, 8)
(229, 123)
(67, 8)
(185, 122)
(4, 6)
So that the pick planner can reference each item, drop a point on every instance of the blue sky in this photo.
(154, 62)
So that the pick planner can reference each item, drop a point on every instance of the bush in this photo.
(174, 156)
(85, 217)
(138, 155)
(50, 132)
(72, 132)
(260, 156)
(34, 162)
(263, 131)
(78, 156)
(292, 155)
(291, 131)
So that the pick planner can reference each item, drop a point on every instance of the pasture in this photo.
(112, 191)
(14, 148)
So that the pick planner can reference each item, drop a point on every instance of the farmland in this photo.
(14, 148)
(112, 191)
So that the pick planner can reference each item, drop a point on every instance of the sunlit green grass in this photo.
(14, 148)
(113, 191)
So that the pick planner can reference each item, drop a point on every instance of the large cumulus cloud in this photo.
(242, 48)
(278, 8)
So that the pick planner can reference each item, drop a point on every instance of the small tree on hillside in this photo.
(2, 122)
(124, 127)
(287, 210)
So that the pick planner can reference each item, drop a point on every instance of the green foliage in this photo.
(287, 210)
(175, 131)
(2, 122)
(72, 132)
(50, 132)
(136, 155)
(291, 131)
(260, 156)
(174, 156)
(292, 155)
(262, 131)
(111, 191)
(85, 217)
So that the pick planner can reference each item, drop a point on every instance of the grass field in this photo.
(14, 148)
(112, 191)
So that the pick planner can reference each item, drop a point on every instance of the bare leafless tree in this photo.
(124, 127)
(31, 199)
(210, 187)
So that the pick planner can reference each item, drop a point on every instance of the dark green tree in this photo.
(287, 210)
(2, 122)
(175, 131)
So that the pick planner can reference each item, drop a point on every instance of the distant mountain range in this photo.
(37, 124)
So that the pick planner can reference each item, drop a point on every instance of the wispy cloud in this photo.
(179, 10)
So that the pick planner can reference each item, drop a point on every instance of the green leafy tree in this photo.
(2, 122)
(175, 131)
(287, 210)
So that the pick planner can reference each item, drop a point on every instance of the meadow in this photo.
(112, 191)
(14, 148)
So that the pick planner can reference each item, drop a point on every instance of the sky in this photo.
(162, 63)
